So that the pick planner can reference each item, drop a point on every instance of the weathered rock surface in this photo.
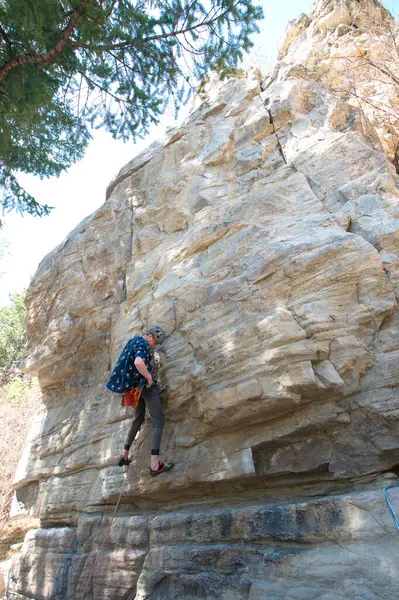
(265, 239)
(331, 548)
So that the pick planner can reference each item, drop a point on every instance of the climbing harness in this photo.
(395, 518)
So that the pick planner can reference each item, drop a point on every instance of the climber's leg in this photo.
(135, 426)
(152, 398)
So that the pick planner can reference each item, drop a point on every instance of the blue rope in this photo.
(395, 518)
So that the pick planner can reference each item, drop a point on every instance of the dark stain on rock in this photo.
(297, 523)
(226, 524)
(270, 522)
(188, 527)
(301, 524)
(61, 578)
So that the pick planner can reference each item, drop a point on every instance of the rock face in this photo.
(263, 234)
(352, 48)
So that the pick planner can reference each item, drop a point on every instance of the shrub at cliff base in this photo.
(12, 338)
(19, 403)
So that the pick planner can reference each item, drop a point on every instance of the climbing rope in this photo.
(106, 534)
(395, 518)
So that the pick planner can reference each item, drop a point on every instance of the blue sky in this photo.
(81, 190)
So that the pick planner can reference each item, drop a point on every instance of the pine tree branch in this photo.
(7, 41)
(110, 10)
(120, 60)
(44, 59)
(106, 90)
(161, 36)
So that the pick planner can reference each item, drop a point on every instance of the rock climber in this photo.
(135, 371)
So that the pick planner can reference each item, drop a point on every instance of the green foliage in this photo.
(67, 66)
(13, 393)
(19, 392)
(12, 337)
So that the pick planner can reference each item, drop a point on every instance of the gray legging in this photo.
(152, 398)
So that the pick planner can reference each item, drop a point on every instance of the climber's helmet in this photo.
(157, 333)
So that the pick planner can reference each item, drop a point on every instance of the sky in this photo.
(81, 190)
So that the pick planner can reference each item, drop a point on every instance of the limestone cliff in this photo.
(263, 234)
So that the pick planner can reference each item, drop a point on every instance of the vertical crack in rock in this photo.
(129, 258)
(279, 146)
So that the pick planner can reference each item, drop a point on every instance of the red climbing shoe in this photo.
(162, 468)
